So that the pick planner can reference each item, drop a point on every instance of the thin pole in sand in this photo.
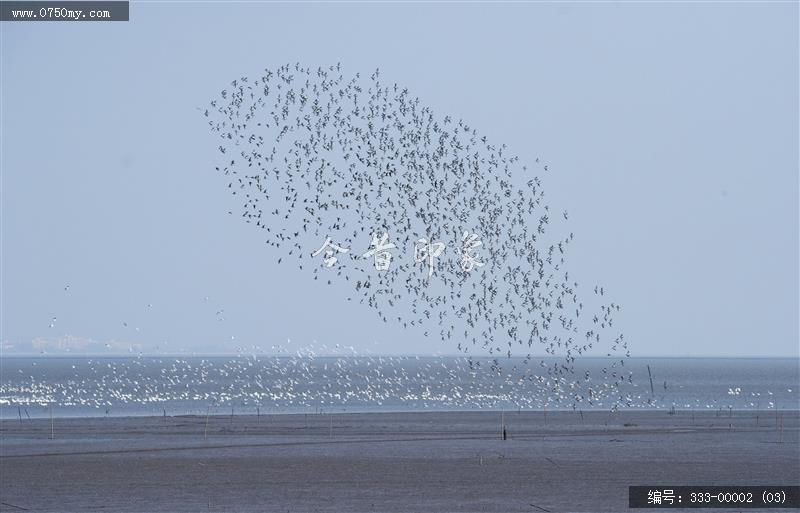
(52, 427)
(258, 416)
(545, 414)
(502, 421)
(205, 432)
(652, 392)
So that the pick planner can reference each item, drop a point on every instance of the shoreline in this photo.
(249, 413)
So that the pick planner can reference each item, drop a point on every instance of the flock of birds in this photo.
(304, 380)
(349, 177)
(320, 160)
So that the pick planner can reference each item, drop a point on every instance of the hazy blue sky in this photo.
(671, 130)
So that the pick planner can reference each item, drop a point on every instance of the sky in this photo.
(670, 130)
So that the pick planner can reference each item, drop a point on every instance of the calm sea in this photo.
(246, 384)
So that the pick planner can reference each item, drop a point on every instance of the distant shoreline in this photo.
(389, 355)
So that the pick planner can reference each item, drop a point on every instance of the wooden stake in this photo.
(205, 432)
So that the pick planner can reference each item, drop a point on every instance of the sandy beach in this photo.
(399, 462)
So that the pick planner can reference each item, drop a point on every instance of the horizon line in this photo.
(340, 355)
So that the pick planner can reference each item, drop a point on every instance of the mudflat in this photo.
(394, 462)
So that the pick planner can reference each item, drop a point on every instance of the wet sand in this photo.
(393, 462)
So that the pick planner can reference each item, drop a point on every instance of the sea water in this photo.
(158, 385)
